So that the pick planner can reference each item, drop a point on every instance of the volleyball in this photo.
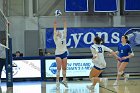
(58, 13)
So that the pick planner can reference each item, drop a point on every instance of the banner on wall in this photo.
(80, 66)
(83, 37)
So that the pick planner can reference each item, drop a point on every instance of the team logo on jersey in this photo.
(53, 68)
(134, 36)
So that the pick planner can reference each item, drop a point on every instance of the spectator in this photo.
(17, 54)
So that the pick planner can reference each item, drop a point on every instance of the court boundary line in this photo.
(107, 89)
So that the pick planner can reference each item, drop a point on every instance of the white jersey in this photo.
(2, 52)
(60, 43)
(99, 50)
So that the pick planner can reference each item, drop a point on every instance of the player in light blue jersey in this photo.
(124, 52)
(99, 62)
(61, 53)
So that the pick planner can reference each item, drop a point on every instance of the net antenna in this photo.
(4, 30)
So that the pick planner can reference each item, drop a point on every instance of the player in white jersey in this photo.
(61, 52)
(99, 62)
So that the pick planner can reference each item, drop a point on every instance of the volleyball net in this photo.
(4, 31)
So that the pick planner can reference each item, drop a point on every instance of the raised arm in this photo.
(55, 25)
(65, 27)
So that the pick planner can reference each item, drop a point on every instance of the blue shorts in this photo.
(62, 56)
(98, 68)
(126, 60)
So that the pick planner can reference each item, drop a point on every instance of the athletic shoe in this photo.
(105, 82)
(57, 85)
(90, 87)
(64, 82)
(126, 76)
(116, 83)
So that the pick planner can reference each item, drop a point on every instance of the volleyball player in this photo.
(124, 52)
(2, 57)
(99, 62)
(61, 53)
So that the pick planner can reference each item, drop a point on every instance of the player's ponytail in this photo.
(127, 41)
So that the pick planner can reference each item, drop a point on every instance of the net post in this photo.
(43, 72)
(9, 73)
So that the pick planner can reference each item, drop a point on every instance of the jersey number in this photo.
(121, 51)
(99, 49)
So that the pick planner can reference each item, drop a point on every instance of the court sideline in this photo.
(131, 86)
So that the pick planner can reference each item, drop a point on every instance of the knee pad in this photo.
(120, 73)
(64, 72)
(58, 73)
